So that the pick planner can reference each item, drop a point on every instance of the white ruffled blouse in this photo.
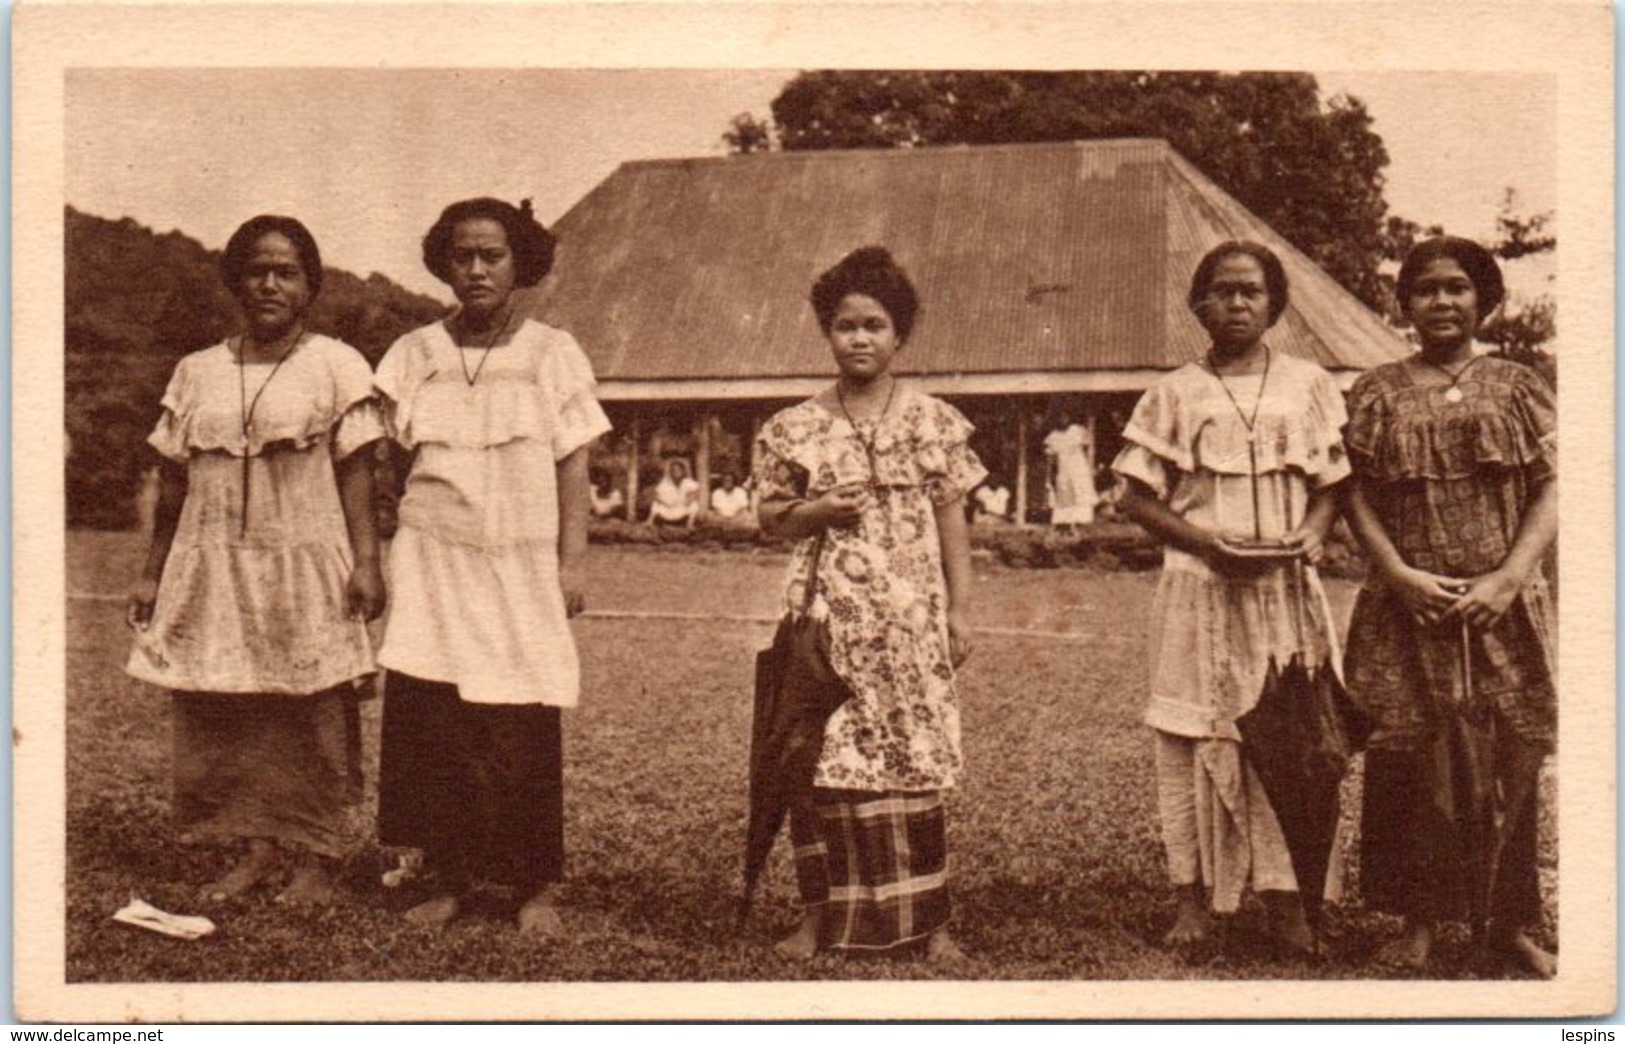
(259, 608)
(475, 597)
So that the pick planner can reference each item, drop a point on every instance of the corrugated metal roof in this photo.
(1046, 258)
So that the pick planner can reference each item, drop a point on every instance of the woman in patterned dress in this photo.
(1244, 441)
(1456, 503)
(499, 415)
(263, 571)
(878, 473)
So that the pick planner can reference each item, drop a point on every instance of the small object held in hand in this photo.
(1264, 550)
(142, 914)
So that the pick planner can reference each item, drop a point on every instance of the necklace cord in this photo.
(247, 408)
(1250, 423)
(868, 444)
(475, 376)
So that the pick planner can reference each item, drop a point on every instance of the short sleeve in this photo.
(776, 476)
(1153, 442)
(580, 418)
(359, 418)
(1536, 413)
(951, 468)
(1328, 417)
(1366, 424)
(169, 435)
(392, 382)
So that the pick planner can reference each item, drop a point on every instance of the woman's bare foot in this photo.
(258, 865)
(941, 948)
(437, 912)
(1288, 922)
(311, 885)
(803, 943)
(1409, 952)
(1192, 923)
(539, 916)
(1518, 946)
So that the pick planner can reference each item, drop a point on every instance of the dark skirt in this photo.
(283, 768)
(1421, 855)
(478, 787)
(876, 864)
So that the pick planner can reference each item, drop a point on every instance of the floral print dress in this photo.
(880, 583)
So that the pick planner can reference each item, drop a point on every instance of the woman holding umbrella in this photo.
(869, 477)
(1230, 461)
(1450, 647)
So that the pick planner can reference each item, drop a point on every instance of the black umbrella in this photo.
(796, 692)
(1299, 738)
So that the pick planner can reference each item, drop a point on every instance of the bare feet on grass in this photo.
(1288, 922)
(1411, 951)
(539, 916)
(311, 886)
(437, 912)
(1526, 952)
(256, 867)
(803, 943)
(1192, 923)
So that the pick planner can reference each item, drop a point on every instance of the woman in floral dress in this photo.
(263, 572)
(1244, 442)
(1454, 452)
(878, 473)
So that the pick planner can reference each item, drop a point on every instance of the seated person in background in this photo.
(729, 501)
(677, 498)
(992, 502)
(607, 500)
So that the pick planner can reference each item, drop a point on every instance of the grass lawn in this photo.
(1058, 870)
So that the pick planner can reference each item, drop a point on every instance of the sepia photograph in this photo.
(1024, 531)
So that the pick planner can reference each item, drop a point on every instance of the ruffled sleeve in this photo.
(1324, 460)
(359, 420)
(1403, 430)
(568, 374)
(396, 380)
(169, 436)
(776, 475)
(949, 468)
(1153, 441)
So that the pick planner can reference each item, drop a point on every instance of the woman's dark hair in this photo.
(869, 271)
(531, 243)
(1478, 263)
(1274, 275)
(242, 242)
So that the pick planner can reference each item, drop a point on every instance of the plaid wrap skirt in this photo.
(876, 864)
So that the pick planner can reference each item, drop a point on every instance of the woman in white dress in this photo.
(499, 413)
(1071, 454)
(262, 573)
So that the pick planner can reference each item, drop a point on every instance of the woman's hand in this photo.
(364, 594)
(959, 637)
(1428, 596)
(138, 608)
(1310, 542)
(1486, 600)
(574, 587)
(840, 507)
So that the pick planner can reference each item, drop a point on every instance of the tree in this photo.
(1312, 171)
(1524, 327)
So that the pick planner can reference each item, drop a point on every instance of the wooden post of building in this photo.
(755, 430)
(702, 460)
(1021, 462)
(633, 438)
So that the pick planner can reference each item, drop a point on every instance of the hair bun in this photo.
(524, 208)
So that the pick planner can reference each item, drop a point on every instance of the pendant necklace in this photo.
(1453, 393)
(492, 343)
(1250, 422)
(867, 443)
(247, 408)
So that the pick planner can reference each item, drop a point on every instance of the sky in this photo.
(367, 158)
